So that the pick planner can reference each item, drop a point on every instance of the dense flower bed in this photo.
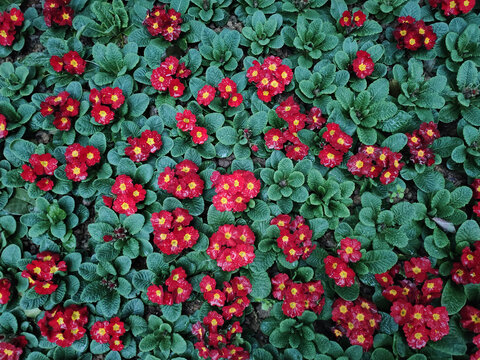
(250, 179)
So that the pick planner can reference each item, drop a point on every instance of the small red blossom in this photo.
(206, 95)
(363, 65)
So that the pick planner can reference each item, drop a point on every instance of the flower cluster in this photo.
(183, 181)
(298, 297)
(412, 34)
(128, 195)
(3, 126)
(232, 246)
(357, 320)
(161, 22)
(58, 12)
(363, 64)
(171, 232)
(140, 148)
(467, 271)
(295, 237)
(9, 21)
(271, 77)
(338, 144)
(4, 291)
(289, 111)
(234, 292)
(349, 20)
(453, 7)
(104, 103)
(167, 76)
(71, 62)
(214, 343)
(337, 268)
(109, 332)
(64, 109)
(373, 161)
(234, 191)
(13, 349)
(476, 195)
(40, 272)
(228, 90)
(411, 298)
(186, 121)
(470, 320)
(178, 289)
(79, 158)
(40, 165)
(418, 143)
(64, 326)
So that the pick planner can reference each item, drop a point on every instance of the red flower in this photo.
(113, 97)
(213, 320)
(160, 79)
(363, 64)
(450, 7)
(199, 135)
(9, 351)
(227, 87)
(176, 88)
(4, 291)
(102, 114)
(92, 155)
(43, 164)
(417, 336)
(343, 275)
(124, 205)
(57, 64)
(236, 100)
(315, 120)
(465, 6)
(388, 176)
(207, 284)
(401, 311)
(206, 95)
(155, 294)
(215, 298)
(45, 184)
(293, 306)
(123, 185)
(330, 157)
(116, 327)
(137, 151)
(412, 41)
(346, 19)
(241, 286)
(350, 250)
(16, 17)
(116, 344)
(470, 318)
(63, 16)
(152, 139)
(418, 269)
(28, 174)
(297, 151)
(99, 332)
(73, 63)
(274, 139)
(359, 18)
(76, 171)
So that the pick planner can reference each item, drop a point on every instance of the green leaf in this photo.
(453, 297)
(11, 255)
(379, 261)
(134, 223)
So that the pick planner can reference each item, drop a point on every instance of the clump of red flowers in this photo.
(338, 144)
(412, 34)
(234, 191)
(71, 62)
(79, 158)
(63, 107)
(9, 22)
(40, 272)
(228, 90)
(162, 22)
(295, 237)
(233, 299)
(411, 298)
(182, 182)
(232, 246)
(349, 20)
(58, 12)
(64, 326)
(13, 349)
(363, 64)
(171, 232)
(4, 291)
(337, 268)
(149, 142)
(178, 289)
(453, 7)
(128, 195)
(109, 332)
(467, 271)
(289, 111)
(216, 343)
(40, 165)
(186, 121)
(373, 161)
(3, 126)
(418, 143)
(167, 76)
(298, 297)
(105, 102)
(271, 77)
(470, 320)
(357, 320)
